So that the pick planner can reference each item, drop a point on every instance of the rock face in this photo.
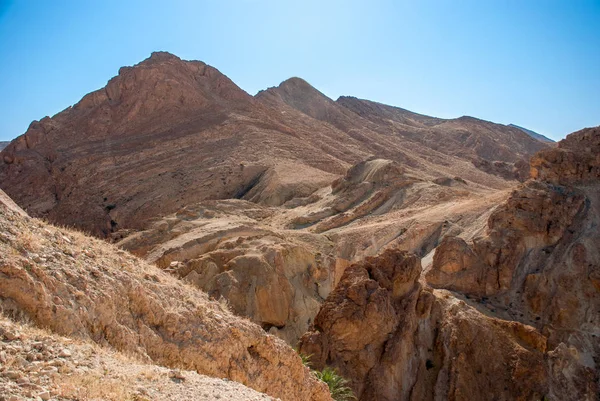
(538, 262)
(535, 217)
(276, 265)
(3, 145)
(276, 278)
(168, 133)
(396, 340)
(576, 161)
(84, 288)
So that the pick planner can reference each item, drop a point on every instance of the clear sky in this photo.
(531, 63)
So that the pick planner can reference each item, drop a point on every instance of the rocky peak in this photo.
(575, 160)
(163, 56)
(300, 95)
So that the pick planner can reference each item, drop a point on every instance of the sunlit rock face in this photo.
(539, 260)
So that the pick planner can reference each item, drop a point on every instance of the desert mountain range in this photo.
(423, 258)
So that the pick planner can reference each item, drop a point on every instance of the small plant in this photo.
(338, 386)
(305, 359)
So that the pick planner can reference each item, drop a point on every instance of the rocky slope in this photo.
(277, 278)
(3, 145)
(533, 134)
(142, 156)
(168, 133)
(36, 364)
(528, 284)
(276, 265)
(538, 262)
(83, 288)
(264, 202)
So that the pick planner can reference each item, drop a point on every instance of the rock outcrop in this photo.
(84, 288)
(367, 187)
(576, 160)
(539, 262)
(396, 340)
(276, 278)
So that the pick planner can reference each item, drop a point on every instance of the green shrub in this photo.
(337, 384)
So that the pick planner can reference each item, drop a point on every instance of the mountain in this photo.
(3, 145)
(533, 134)
(166, 133)
(390, 245)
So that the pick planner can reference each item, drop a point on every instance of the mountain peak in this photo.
(162, 55)
(295, 82)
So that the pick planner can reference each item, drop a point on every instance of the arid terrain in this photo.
(208, 231)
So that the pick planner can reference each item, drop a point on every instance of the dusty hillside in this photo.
(83, 288)
(262, 203)
(534, 134)
(427, 146)
(36, 364)
(167, 133)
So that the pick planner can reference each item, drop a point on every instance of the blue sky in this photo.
(532, 63)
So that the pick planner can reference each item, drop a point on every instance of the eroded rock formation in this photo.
(539, 261)
(396, 340)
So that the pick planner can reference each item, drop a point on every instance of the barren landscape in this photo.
(178, 238)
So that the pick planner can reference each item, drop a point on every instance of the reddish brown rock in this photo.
(539, 260)
(535, 217)
(576, 160)
(168, 133)
(397, 341)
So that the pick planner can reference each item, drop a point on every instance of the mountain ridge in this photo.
(533, 134)
(154, 115)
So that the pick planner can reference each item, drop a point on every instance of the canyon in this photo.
(208, 231)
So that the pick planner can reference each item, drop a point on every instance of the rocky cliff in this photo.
(518, 314)
(538, 261)
(397, 340)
